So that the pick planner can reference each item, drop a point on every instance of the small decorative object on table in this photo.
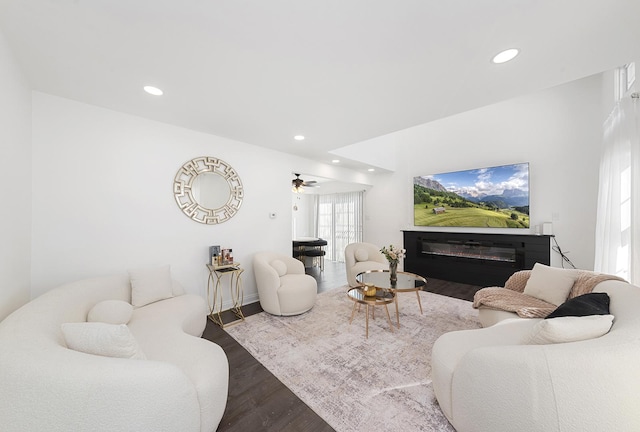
(227, 256)
(214, 253)
(393, 271)
(369, 290)
(393, 255)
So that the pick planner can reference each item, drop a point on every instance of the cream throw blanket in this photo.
(512, 299)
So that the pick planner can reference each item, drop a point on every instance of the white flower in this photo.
(392, 253)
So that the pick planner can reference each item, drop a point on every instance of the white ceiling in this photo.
(336, 71)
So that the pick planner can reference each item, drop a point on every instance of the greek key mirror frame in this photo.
(184, 194)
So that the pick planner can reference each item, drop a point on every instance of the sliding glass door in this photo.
(339, 220)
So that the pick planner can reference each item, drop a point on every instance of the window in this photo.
(625, 80)
(339, 221)
(617, 237)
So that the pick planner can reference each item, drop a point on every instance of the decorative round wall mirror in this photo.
(208, 190)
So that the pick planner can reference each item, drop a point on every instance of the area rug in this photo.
(353, 383)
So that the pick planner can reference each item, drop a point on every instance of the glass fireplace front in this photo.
(470, 249)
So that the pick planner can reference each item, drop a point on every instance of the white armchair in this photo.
(360, 257)
(283, 286)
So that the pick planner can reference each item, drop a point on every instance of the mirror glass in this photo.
(208, 190)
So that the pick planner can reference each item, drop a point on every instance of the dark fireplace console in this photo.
(476, 259)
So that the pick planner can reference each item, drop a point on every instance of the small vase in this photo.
(369, 290)
(393, 269)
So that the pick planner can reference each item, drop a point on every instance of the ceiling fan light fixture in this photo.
(297, 184)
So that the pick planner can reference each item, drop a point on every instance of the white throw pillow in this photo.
(280, 266)
(110, 340)
(550, 284)
(150, 285)
(570, 329)
(111, 312)
(361, 255)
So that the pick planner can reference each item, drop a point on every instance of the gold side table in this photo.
(215, 288)
(382, 298)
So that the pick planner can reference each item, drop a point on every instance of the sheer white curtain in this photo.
(617, 239)
(339, 219)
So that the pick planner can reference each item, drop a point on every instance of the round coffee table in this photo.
(407, 282)
(382, 298)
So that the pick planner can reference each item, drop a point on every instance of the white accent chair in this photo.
(283, 286)
(360, 257)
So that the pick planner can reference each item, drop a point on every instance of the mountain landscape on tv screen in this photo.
(496, 197)
(509, 198)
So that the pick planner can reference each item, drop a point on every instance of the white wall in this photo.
(558, 131)
(103, 201)
(302, 222)
(15, 177)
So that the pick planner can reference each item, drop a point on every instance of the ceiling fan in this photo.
(297, 184)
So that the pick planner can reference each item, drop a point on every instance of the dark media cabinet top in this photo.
(483, 259)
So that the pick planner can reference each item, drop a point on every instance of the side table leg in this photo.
(210, 294)
(397, 313)
(218, 299)
(419, 302)
(238, 296)
(389, 318)
(367, 322)
(353, 312)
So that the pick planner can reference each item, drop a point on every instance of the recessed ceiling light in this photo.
(336, 161)
(153, 90)
(298, 137)
(505, 55)
(371, 169)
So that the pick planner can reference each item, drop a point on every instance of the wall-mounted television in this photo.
(494, 197)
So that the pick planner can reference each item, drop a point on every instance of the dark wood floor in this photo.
(257, 400)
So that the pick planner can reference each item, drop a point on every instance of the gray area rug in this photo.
(357, 384)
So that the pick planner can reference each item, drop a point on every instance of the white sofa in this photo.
(181, 386)
(361, 257)
(283, 286)
(491, 380)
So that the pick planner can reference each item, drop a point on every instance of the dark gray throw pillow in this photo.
(586, 304)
